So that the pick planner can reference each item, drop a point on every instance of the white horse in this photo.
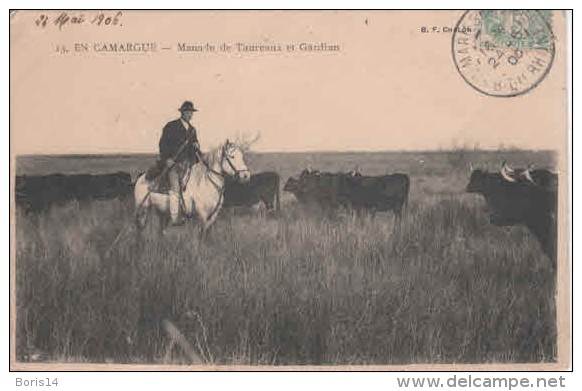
(203, 187)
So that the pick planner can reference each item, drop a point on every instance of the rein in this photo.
(210, 170)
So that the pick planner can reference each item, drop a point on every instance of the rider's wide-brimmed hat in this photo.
(187, 106)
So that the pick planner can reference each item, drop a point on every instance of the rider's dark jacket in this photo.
(173, 136)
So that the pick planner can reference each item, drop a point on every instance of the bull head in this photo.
(507, 172)
(526, 174)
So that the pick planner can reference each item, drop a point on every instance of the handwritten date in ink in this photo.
(71, 19)
(102, 19)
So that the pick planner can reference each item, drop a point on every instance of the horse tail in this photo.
(141, 195)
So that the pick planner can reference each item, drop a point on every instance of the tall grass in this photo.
(441, 286)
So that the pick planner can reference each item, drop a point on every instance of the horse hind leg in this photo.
(143, 205)
(141, 219)
(140, 224)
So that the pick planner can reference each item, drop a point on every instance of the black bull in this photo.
(263, 186)
(521, 202)
(36, 193)
(331, 190)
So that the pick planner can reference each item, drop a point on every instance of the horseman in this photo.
(179, 148)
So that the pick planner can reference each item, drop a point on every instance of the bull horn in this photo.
(507, 167)
(526, 174)
(506, 173)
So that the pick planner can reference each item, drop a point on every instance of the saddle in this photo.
(163, 183)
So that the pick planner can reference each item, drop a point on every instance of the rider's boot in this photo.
(175, 217)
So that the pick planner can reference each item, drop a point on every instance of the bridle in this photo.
(223, 157)
(233, 168)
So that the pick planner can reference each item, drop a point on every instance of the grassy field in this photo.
(441, 286)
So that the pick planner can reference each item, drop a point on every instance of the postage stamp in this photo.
(521, 29)
(504, 53)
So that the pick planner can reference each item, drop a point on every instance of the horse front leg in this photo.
(208, 217)
(206, 226)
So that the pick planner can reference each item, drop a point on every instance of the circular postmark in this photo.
(503, 53)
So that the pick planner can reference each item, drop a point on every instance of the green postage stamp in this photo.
(519, 29)
(504, 53)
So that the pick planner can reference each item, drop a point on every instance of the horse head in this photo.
(233, 163)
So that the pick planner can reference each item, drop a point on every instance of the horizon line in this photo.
(436, 150)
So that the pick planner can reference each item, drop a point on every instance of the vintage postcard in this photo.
(289, 190)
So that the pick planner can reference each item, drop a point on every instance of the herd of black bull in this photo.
(352, 190)
(37, 193)
(527, 197)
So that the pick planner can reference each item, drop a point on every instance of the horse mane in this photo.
(212, 156)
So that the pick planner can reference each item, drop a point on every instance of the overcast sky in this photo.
(390, 87)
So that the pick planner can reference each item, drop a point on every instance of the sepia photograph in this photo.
(289, 190)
